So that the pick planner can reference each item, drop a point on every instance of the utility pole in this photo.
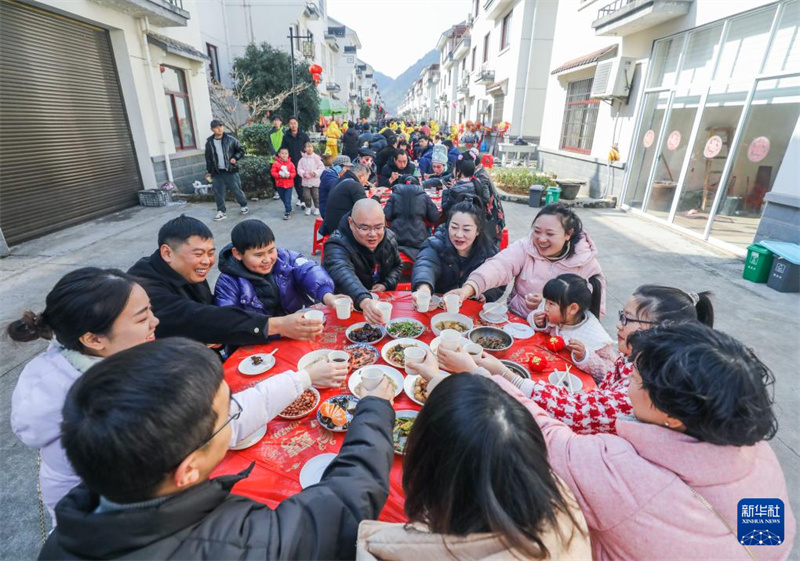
(291, 38)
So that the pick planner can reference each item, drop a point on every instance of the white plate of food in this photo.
(364, 332)
(493, 319)
(309, 359)
(312, 471)
(405, 328)
(392, 351)
(354, 383)
(403, 423)
(435, 343)
(519, 330)
(336, 413)
(256, 364)
(459, 322)
(361, 355)
(252, 439)
(416, 388)
(302, 406)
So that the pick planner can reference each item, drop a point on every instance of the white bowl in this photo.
(418, 323)
(460, 318)
(407, 342)
(252, 439)
(362, 324)
(313, 357)
(313, 390)
(577, 383)
(393, 373)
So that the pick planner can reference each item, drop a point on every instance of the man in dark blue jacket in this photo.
(426, 155)
(329, 178)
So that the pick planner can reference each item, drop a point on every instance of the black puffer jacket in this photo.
(464, 190)
(355, 269)
(384, 156)
(350, 143)
(408, 209)
(231, 148)
(340, 201)
(390, 168)
(439, 265)
(207, 522)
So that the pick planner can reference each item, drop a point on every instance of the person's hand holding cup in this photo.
(450, 339)
(385, 309)
(453, 303)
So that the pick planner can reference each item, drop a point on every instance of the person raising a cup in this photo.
(448, 257)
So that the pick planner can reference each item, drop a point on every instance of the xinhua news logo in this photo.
(760, 522)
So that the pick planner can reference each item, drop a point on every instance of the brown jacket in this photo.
(394, 542)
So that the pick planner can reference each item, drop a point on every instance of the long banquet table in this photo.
(288, 445)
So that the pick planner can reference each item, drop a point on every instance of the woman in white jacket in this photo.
(91, 314)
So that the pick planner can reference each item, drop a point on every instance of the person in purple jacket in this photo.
(257, 276)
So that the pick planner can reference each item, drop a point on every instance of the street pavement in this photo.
(633, 251)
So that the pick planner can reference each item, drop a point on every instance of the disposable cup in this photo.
(385, 308)
(473, 349)
(423, 300)
(314, 314)
(338, 356)
(450, 339)
(343, 306)
(413, 354)
(453, 303)
(370, 378)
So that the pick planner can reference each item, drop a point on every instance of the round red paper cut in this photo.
(674, 140)
(648, 139)
(758, 149)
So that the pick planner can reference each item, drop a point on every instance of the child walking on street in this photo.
(569, 309)
(310, 168)
(284, 172)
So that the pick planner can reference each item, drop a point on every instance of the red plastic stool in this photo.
(504, 239)
(317, 242)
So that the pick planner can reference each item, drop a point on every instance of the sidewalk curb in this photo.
(580, 202)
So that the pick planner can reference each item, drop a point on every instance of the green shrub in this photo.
(254, 172)
(256, 139)
(518, 181)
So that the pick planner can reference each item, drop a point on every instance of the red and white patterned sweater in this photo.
(594, 411)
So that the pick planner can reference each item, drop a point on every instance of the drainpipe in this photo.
(144, 25)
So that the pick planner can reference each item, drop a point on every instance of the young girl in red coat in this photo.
(284, 172)
(596, 411)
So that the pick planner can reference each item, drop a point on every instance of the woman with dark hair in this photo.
(448, 257)
(668, 486)
(89, 314)
(557, 244)
(410, 210)
(478, 485)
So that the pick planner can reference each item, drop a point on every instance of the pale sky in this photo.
(395, 34)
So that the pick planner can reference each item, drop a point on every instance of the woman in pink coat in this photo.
(668, 486)
(557, 245)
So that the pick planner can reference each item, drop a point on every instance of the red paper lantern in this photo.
(315, 69)
(538, 362)
(555, 343)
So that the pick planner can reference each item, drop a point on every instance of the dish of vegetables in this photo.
(393, 352)
(403, 423)
(405, 327)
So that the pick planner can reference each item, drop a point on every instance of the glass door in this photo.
(655, 105)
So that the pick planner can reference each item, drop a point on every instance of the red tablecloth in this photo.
(288, 445)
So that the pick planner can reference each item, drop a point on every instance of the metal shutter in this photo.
(66, 152)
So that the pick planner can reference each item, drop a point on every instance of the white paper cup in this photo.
(453, 303)
(423, 300)
(343, 306)
(413, 354)
(473, 349)
(450, 339)
(385, 308)
(314, 314)
(338, 356)
(370, 378)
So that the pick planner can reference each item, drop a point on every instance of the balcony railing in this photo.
(613, 7)
(625, 17)
(333, 87)
(485, 77)
(161, 13)
(350, 50)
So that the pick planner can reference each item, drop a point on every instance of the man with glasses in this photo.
(145, 428)
(362, 257)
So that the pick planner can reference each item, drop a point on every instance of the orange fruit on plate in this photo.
(336, 414)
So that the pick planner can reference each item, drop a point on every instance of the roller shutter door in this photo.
(66, 152)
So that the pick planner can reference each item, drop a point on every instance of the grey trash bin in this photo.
(535, 196)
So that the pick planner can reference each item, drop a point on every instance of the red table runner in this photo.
(288, 445)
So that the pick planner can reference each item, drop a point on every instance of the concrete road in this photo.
(633, 251)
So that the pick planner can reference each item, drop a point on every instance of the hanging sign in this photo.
(648, 139)
(758, 149)
(713, 147)
(674, 140)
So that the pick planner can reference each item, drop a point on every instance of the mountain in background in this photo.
(393, 91)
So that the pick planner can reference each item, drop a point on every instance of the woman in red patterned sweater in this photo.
(596, 411)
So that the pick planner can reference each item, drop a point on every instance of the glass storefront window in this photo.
(665, 62)
(784, 55)
(655, 105)
(673, 151)
(744, 49)
(709, 154)
(701, 52)
(772, 118)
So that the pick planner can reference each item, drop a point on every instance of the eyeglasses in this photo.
(365, 228)
(232, 418)
(625, 320)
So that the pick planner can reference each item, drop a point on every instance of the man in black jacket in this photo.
(223, 151)
(350, 141)
(343, 196)
(174, 277)
(294, 140)
(397, 167)
(411, 212)
(362, 257)
(145, 428)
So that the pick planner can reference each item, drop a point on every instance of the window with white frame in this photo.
(213, 62)
(505, 31)
(486, 47)
(580, 117)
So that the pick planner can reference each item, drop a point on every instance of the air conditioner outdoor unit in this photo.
(612, 78)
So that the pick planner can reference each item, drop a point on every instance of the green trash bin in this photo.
(552, 195)
(758, 263)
